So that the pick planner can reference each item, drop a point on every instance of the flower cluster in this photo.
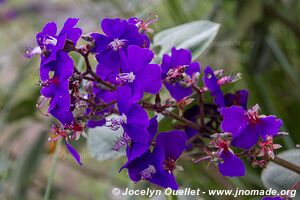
(124, 73)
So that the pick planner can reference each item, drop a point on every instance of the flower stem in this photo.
(157, 100)
(95, 76)
(201, 103)
(286, 164)
(181, 119)
(52, 171)
(90, 71)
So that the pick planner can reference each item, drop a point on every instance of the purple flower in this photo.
(247, 126)
(211, 82)
(158, 166)
(133, 118)
(177, 72)
(228, 164)
(119, 34)
(54, 58)
(138, 73)
(49, 42)
(137, 149)
(57, 88)
(240, 98)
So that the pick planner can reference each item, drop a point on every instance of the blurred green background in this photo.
(261, 39)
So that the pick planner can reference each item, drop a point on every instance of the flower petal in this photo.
(66, 118)
(165, 65)
(69, 24)
(65, 66)
(72, 33)
(101, 42)
(211, 82)
(269, 126)
(180, 57)
(232, 166)
(95, 123)
(49, 91)
(61, 97)
(150, 78)
(177, 91)
(74, 153)
(137, 116)
(113, 28)
(192, 69)
(247, 137)
(137, 149)
(173, 143)
(137, 134)
(165, 180)
(109, 58)
(234, 119)
(137, 92)
(124, 95)
(138, 165)
(240, 98)
(137, 58)
(162, 177)
(49, 29)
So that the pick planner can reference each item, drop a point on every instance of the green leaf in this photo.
(195, 36)
(278, 177)
(101, 141)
